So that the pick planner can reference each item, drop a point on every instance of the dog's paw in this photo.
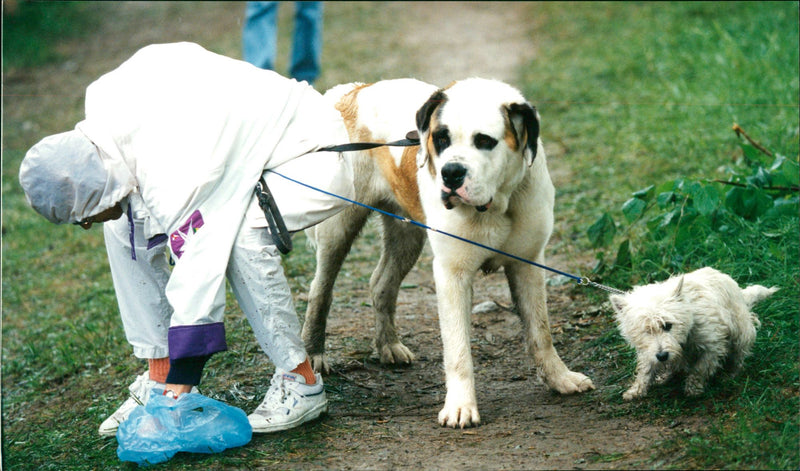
(662, 378)
(396, 353)
(570, 382)
(464, 415)
(693, 387)
(319, 363)
(634, 392)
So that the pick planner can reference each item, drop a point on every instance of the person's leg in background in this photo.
(260, 34)
(307, 42)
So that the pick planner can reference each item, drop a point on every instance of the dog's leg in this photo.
(699, 373)
(402, 244)
(739, 350)
(333, 239)
(743, 335)
(644, 377)
(735, 361)
(528, 292)
(454, 296)
(663, 376)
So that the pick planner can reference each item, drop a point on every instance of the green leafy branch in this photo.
(671, 221)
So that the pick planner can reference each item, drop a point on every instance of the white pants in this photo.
(254, 272)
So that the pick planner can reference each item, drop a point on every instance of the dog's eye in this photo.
(441, 140)
(667, 326)
(484, 142)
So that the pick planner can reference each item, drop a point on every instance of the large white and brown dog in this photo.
(479, 173)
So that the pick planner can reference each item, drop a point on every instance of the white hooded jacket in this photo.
(191, 132)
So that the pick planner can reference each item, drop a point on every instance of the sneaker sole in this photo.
(108, 433)
(309, 416)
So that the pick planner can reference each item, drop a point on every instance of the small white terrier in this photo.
(693, 324)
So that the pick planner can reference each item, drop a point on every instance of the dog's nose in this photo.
(662, 356)
(453, 175)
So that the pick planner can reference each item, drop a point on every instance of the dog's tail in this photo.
(755, 293)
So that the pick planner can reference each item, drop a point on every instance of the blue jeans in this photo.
(259, 38)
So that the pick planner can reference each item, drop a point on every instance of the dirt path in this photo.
(467, 39)
(385, 418)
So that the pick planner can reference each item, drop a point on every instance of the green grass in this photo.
(31, 35)
(639, 94)
(631, 94)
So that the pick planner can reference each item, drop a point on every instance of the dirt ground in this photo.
(385, 417)
(389, 414)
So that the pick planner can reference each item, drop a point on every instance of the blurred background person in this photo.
(260, 38)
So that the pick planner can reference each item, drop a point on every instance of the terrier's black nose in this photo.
(453, 175)
(662, 356)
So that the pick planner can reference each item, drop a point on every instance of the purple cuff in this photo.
(196, 340)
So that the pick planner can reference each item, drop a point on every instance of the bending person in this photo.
(175, 139)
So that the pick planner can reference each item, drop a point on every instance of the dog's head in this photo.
(655, 320)
(477, 138)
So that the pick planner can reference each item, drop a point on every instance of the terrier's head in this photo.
(655, 320)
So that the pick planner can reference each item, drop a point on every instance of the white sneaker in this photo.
(288, 403)
(139, 394)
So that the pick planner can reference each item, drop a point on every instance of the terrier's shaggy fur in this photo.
(693, 324)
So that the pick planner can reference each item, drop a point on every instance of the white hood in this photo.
(66, 179)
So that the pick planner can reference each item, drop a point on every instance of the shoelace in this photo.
(270, 401)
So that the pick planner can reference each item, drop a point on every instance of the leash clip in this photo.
(277, 227)
(586, 281)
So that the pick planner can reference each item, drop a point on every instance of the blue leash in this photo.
(580, 280)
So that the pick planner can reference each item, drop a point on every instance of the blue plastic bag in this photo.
(192, 423)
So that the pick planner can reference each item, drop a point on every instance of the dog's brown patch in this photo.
(348, 108)
(430, 152)
(403, 178)
(512, 140)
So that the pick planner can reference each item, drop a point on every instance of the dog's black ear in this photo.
(426, 111)
(677, 292)
(524, 117)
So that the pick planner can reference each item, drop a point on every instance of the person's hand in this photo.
(110, 214)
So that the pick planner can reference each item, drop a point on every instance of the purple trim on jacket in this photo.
(152, 242)
(131, 226)
(196, 340)
(156, 240)
(178, 238)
